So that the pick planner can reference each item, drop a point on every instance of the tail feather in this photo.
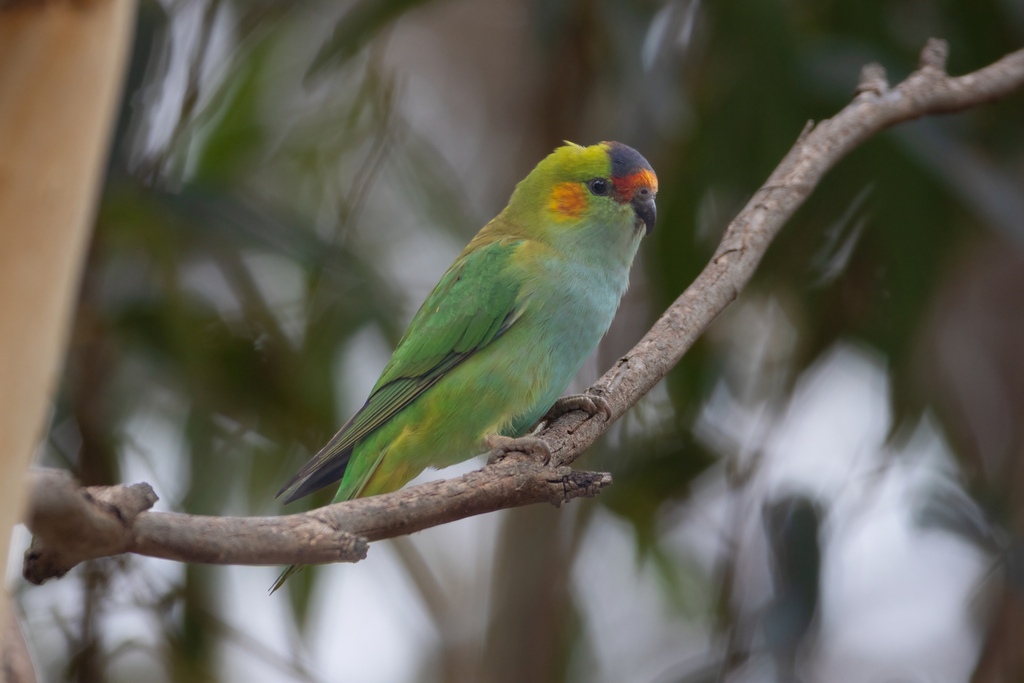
(321, 472)
(324, 469)
(291, 570)
(314, 479)
(285, 575)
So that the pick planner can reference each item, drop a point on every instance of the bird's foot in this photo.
(501, 446)
(588, 403)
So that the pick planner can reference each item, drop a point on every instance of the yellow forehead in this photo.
(573, 162)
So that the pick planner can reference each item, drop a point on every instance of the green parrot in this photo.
(505, 330)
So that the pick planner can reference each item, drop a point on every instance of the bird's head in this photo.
(609, 184)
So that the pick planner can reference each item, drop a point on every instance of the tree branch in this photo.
(72, 524)
(818, 148)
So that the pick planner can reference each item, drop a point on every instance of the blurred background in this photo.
(830, 485)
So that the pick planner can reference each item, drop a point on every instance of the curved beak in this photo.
(646, 211)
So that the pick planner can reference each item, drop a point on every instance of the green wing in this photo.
(473, 304)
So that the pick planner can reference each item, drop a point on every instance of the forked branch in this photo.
(73, 524)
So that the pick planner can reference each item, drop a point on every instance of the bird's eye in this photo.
(599, 186)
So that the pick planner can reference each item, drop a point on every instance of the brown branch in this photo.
(876, 107)
(72, 524)
(113, 520)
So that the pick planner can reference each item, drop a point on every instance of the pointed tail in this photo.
(285, 575)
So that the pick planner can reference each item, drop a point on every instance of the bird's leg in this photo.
(501, 446)
(588, 403)
(533, 445)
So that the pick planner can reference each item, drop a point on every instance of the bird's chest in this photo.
(576, 312)
(568, 310)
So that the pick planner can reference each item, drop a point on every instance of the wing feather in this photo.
(475, 302)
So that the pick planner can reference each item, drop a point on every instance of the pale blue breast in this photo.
(570, 313)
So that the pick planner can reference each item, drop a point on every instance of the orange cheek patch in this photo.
(568, 200)
(631, 183)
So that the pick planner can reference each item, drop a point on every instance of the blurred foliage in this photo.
(360, 24)
(235, 258)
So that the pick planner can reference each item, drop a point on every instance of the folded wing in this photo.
(476, 301)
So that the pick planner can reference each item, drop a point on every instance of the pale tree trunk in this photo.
(61, 72)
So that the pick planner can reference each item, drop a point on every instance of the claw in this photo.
(501, 446)
(588, 403)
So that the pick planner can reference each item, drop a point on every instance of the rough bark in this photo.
(72, 524)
